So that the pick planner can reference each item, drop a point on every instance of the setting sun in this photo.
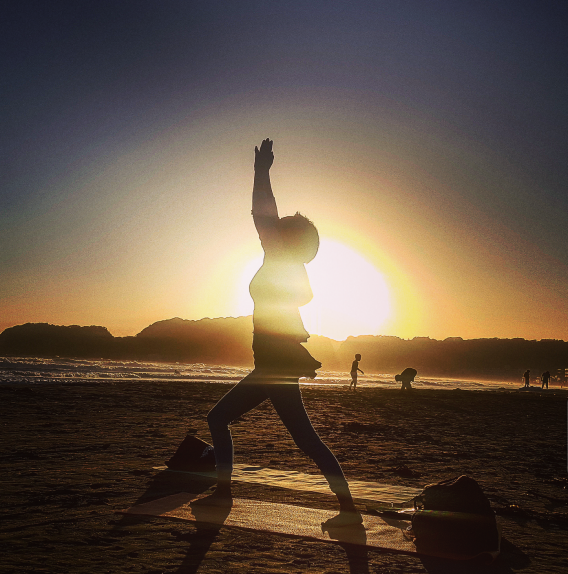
(350, 295)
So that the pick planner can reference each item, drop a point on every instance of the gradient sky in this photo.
(428, 137)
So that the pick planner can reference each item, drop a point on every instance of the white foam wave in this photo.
(36, 370)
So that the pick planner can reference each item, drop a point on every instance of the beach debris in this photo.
(454, 516)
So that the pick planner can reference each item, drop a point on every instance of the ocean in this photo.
(35, 370)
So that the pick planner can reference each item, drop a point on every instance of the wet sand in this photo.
(74, 453)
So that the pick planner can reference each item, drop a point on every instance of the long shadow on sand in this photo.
(510, 557)
(357, 554)
(165, 484)
(203, 534)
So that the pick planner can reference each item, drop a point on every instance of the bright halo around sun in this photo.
(351, 296)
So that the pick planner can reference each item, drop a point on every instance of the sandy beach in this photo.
(73, 453)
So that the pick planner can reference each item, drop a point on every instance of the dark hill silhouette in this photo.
(225, 340)
(212, 341)
(228, 341)
(45, 340)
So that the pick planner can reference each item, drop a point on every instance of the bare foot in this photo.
(344, 518)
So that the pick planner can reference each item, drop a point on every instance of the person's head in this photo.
(357, 357)
(300, 236)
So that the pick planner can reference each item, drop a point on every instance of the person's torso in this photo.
(278, 289)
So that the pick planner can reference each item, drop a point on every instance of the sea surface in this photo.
(30, 370)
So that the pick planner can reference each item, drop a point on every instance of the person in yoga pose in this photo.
(278, 289)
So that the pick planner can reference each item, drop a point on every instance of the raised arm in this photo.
(264, 210)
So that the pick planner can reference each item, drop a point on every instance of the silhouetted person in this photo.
(527, 377)
(545, 377)
(354, 369)
(278, 289)
(406, 377)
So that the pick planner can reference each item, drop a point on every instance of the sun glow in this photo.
(351, 296)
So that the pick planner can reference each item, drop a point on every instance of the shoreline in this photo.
(43, 370)
(305, 384)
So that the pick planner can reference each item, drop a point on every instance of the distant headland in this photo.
(227, 341)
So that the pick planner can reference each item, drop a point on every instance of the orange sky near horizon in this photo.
(400, 131)
(144, 252)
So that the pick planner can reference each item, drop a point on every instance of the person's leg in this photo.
(287, 401)
(242, 398)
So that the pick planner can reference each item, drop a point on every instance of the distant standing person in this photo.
(545, 378)
(527, 377)
(354, 369)
(406, 377)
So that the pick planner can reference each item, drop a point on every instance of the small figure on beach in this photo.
(527, 377)
(406, 377)
(545, 377)
(278, 289)
(354, 369)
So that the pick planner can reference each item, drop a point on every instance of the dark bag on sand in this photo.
(193, 454)
(454, 518)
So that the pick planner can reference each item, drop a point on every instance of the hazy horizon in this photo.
(311, 334)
